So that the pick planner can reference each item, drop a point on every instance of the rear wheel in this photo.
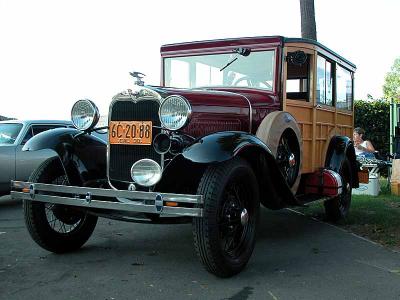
(338, 207)
(225, 236)
(57, 228)
(288, 158)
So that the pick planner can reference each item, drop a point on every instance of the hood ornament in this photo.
(138, 78)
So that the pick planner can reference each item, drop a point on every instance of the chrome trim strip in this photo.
(250, 112)
(140, 93)
(51, 193)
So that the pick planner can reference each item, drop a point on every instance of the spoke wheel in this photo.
(61, 219)
(288, 158)
(225, 235)
(57, 228)
(338, 207)
(233, 220)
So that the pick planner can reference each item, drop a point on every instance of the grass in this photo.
(376, 218)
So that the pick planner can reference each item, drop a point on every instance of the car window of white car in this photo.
(36, 129)
(9, 132)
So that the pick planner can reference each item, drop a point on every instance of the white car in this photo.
(14, 163)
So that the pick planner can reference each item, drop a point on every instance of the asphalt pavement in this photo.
(295, 258)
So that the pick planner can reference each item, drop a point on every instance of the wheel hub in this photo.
(292, 160)
(244, 217)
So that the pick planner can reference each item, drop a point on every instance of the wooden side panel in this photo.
(318, 123)
(345, 123)
(325, 124)
(303, 113)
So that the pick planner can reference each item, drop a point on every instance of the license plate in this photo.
(130, 132)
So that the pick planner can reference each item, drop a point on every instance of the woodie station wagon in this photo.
(234, 123)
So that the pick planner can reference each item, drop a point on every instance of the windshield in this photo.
(255, 70)
(9, 133)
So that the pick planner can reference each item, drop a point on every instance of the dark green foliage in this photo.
(374, 117)
(4, 118)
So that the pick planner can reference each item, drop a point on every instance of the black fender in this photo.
(83, 156)
(339, 148)
(222, 146)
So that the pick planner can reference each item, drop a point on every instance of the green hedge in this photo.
(374, 117)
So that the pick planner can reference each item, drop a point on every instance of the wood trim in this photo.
(299, 103)
(313, 100)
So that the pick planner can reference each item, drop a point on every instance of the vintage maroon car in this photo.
(235, 123)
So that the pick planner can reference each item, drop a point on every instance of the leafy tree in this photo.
(307, 13)
(374, 117)
(391, 87)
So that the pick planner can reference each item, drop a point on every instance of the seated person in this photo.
(362, 147)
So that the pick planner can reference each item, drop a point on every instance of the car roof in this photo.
(196, 46)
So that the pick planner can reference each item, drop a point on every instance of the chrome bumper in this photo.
(118, 200)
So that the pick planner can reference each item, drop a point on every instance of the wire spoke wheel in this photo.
(61, 218)
(55, 227)
(287, 158)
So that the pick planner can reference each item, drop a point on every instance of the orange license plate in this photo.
(130, 132)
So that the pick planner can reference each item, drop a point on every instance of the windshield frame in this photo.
(274, 67)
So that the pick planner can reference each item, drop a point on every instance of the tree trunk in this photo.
(308, 27)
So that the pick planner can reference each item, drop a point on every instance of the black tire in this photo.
(338, 207)
(224, 241)
(68, 229)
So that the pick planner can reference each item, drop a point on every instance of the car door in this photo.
(7, 154)
(28, 161)
(7, 167)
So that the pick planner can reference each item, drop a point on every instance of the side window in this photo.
(298, 78)
(324, 81)
(344, 89)
(36, 129)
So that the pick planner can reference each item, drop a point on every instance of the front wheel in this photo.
(54, 227)
(225, 236)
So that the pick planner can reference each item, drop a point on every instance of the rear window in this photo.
(9, 132)
(344, 89)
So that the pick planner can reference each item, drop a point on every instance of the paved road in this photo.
(295, 258)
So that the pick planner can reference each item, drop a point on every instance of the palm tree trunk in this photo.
(307, 12)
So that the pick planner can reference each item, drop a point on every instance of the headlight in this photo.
(146, 172)
(84, 114)
(175, 112)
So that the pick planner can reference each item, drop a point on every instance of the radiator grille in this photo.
(122, 157)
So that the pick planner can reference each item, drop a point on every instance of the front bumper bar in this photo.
(117, 200)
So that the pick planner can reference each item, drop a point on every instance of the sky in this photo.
(53, 52)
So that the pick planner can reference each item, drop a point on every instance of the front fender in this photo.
(83, 156)
(221, 146)
(339, 148)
